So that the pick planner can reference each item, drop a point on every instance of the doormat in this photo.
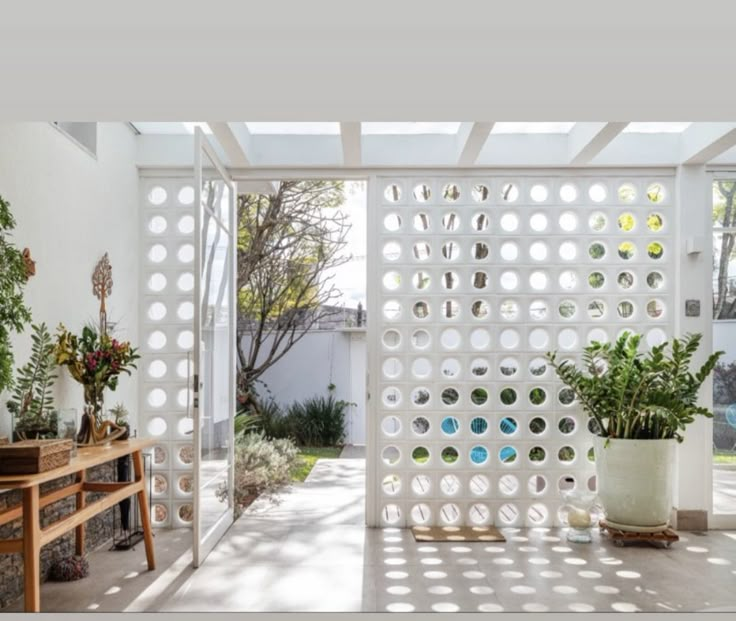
(456, 533)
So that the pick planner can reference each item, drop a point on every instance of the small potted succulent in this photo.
(119, 415)
(640, 405)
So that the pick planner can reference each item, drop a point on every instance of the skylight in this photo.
(410, 127)
(294, 128)
(159, 127)
(551, 127)
(657, 128)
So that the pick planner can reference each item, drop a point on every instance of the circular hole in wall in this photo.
(597, 192)
(157, 282)
(421, 484)
(420, 310)
(480, 193)
(566, 425)
(479, 367)
(156, 398)
(157, 311)
(156, 426)
(391, 339)
(451, 221)
(156, 339)
(539, 193)
(479, 485)
(186, 454)
(391, 455)
(392, 251)
(185, 225)
(185, 254)
(391, 425)
(509, 222)
(627, 193)
(160, 484)
(509, 192)
(508, 367)
(420, 425)
(449, 485)
(185, 339)
(422, 193)
(391, 484)
(538, 223)
(537, 454)
(508, 484)
(450, 455)
(450, 396)
(479, 222)
(159, 513)
(568, 221)
(479, 251)
(568, 251)
(185, 282)
(392, 222)
(185, 426)
(185, 311)
(184, 483)
(157, 253)
(421, 222)
(655, 280)
(392, 193)
(157, 225)
(157, 195)
(186, 195)
(157, 369)
(480, 338)
(656, 193)
(568, 192)
(537, 425)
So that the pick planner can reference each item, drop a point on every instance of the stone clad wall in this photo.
(98, 529)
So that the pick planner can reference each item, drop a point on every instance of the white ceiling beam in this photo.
(352, 149)
(235, 141)
(701, 142)
(472, 138)
(586, 140)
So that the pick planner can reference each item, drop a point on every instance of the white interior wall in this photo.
(70, 209)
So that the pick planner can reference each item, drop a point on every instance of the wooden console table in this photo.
(29, 511)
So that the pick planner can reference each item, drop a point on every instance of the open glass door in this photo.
(214, 348)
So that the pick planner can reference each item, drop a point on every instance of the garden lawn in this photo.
(309, 456)
(724, 457)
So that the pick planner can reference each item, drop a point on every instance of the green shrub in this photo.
(262, 468)
(317, 421)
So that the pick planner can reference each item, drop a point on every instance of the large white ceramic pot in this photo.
(635, 480)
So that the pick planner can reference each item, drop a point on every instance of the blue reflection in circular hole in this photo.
(450, 425)
(507, 454)
(507, 425)
(478, 425)
(478, 454)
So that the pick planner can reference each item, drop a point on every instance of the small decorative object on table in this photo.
(96, 361)
(580, 512)
(119, 415)
(34, 456)
(67, 423)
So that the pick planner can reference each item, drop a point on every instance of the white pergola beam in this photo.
(472, 138)
(235, 141)
(701, 142)
(586, 140)
(352, 149)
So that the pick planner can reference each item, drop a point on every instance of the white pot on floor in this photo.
(635, 481)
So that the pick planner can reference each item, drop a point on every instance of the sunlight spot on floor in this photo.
(474, 575)
(435, 575)
(490, 608)
(396, 575)
(93, 607)
(580, 607)
(564, 589)
(632, 575)
(550, 574)
(575, 560)
(719, 561)
(607, 590)
(523, 589)
(481, 589)
(112, 590)
(398, 590)
(445, 607)
(512, 574)
(130, 575)
(439, 590)
(535, 607)
(594, 575)
(400, 607)
(625, 607)
(538, 560)
(697, 549)
(503, 561)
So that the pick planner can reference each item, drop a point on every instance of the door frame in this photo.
(203, 543)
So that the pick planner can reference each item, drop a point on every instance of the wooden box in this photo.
(34, 456)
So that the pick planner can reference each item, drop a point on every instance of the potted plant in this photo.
(119, 414)
(640, 405)
(31, 403)
(96, 361)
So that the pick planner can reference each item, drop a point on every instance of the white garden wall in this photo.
(318, 359)
(71, 208)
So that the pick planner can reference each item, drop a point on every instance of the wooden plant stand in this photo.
(33, 501)
(621, 537)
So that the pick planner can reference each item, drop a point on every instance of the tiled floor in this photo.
(311, 552)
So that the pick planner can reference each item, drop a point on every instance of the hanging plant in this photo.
(14, 273)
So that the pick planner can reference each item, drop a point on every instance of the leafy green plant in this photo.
(631, 395)
(262, 468)
(14, 314)
(245, 423)
(318, 421)
(32, 402)
(119, 414)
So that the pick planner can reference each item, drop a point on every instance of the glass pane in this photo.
(215, 399)
(724, 338)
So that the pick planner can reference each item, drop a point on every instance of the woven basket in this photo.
(34, 456)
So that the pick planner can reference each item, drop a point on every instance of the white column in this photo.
(693, 488)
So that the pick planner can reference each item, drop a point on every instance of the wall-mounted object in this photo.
(694, 245)
(692, 308)
(102, 287)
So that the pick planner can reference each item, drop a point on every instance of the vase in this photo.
(635, 482)
(580, 512)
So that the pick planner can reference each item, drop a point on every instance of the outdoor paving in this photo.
(311, 553)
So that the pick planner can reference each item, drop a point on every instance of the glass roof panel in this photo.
(159, 127)
(551, 127)
(294, 128)
(411, 127)
(657, 128)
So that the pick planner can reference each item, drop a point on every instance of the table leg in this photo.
(144, 510)
(32, 549)
(79, 531)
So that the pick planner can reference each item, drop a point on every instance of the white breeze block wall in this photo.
(473, 279)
